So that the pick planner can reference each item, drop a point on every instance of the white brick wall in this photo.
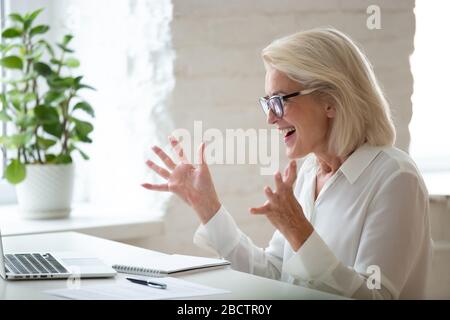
(219, 77)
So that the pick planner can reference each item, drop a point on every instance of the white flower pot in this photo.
(46, 191)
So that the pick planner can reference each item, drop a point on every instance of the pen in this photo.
(148, 283)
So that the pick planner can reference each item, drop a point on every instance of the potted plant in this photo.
(45, 116)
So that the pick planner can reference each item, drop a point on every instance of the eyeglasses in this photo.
(275, 103)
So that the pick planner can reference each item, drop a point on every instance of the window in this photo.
(125, 52)
(430, 127)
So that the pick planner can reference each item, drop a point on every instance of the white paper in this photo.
(126, 290)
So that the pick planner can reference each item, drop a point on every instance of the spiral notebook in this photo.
(163, 266)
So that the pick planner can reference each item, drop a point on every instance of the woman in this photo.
(354, 219)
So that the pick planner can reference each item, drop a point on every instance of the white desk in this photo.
(241, 285)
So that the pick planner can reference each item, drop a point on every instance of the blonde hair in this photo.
(328, 59)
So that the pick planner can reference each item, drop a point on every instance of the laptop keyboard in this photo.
(33, 263)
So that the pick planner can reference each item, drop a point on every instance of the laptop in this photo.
(51, 265)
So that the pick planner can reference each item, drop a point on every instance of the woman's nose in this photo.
(271, 118)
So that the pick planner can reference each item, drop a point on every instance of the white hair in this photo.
(328, 59)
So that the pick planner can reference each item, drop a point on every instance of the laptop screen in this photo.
(2, 259)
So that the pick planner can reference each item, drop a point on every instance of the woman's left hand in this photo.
(283, 210)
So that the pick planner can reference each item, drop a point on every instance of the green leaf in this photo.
(84, 86)
(16, 17)
(54, 97)
(29, 18)
(25, 120)
(83, 128)
(63, 159)
(23, 79)
(83, 154)
(44, 144)
(72, 63)
(78, 85)
(86, 107)
(5, 48)
(3, 100)
(12, 62)
(67, 38)
(64, 48)
(59, 159)
(21, 139)
(4, 140)
(17, 140)
(42, 68)
(46, 114)
(34, 55)
(49, 48)
(4, 116)
(55, 61)
(39, 30)
(29, 96)
(33, 15)
(77, 137)
(85, 139)
(78, 80)
(49, 158)
(15, 172)
(61, 83)
(16, 98)
(55, 129)
(12, 33)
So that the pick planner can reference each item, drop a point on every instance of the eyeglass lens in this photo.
(276, 105)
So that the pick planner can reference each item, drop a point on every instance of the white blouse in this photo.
(370, 216)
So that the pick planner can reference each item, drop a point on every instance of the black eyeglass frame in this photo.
(264, 101)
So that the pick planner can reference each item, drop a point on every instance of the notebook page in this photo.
(183, 262)
(176, 263)
(125, 290)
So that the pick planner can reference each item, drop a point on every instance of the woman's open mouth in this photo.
(288, 133)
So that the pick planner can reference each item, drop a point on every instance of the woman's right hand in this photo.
(191, 183)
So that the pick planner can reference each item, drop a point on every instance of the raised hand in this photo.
(283, 210)
(191, 183)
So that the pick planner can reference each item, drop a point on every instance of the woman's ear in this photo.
(329, 105)
(330, 110)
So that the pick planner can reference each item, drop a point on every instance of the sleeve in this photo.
(222, 235)
(391, 237)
